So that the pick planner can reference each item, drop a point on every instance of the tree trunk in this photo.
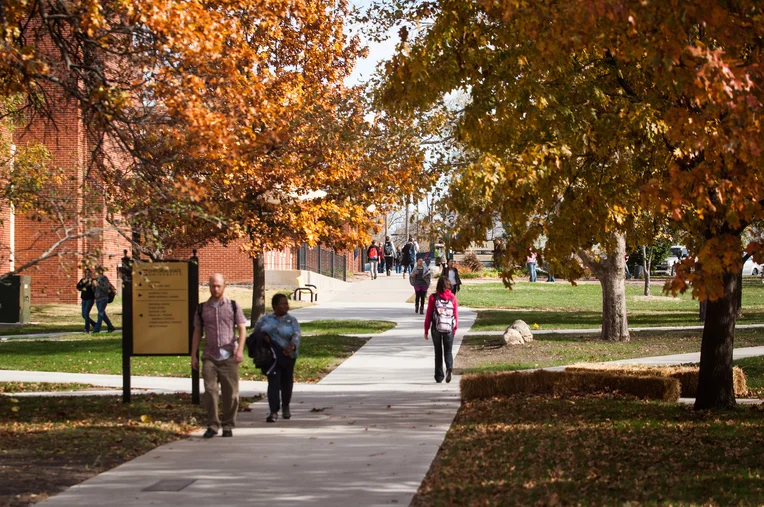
(646, 269)
(715, 386)
(611, 272)
(615, 326)
(258, 287)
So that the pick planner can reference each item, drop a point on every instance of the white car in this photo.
(751, 268)
(678, 252)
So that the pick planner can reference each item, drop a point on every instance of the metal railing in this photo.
(322, 261)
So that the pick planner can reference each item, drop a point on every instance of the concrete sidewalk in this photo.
(365, 435)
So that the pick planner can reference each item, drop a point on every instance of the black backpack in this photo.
(261, 352)
(389, 249)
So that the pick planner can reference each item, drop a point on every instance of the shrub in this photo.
(568, 383)
(472, 262)
(686, 375)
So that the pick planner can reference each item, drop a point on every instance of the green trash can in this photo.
(15, 299)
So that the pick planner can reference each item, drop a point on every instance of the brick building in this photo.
(23, 238)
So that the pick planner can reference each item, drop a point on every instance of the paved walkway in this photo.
(365, 435)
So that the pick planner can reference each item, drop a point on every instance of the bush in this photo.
(686, 375)
(472, 262)
(568, 383)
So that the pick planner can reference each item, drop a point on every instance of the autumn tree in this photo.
(600, 109)
(210, 120)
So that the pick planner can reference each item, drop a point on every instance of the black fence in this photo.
(322, 261)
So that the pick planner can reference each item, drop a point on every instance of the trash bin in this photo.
(15, 296)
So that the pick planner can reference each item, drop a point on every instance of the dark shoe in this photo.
(112, 330)
(448, 378)
(421, 310)
(285, 413)
(438, 381)
(227, 433)
(210, 433)
(272, 417)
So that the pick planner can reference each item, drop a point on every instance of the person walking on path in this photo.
(87, 296)
(532, 263)
(282, 331)
(219, 318)
(373, 254)
(442, 321)
(451, 273)
(101, 290)
(408, 256)
(389, 251)
(420, 278)
(398, 268)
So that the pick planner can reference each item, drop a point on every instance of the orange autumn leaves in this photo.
(217, 110)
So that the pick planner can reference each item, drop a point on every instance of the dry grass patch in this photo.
(686, 375)
(541, 450)
(565, 383)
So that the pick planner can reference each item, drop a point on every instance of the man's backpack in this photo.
(389, 250)
(373, 252)
(443, 315)
(261, 352)
(112, 293)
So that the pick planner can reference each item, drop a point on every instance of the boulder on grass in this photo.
(524, 330)
(513, 337)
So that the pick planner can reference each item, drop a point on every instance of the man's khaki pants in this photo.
(227, 374)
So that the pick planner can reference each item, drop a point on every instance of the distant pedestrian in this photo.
(219, 319)
(452, 274)
(398, 266)
(626, 264)
(282, 331)
(550, 273)
(442, 321)
(102, 290)
(420, 279)
(532, 263)
(87, 296)
(389, 250)
(373, 254)
(408, 257)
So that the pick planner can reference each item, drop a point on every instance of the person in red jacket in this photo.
(442, 320)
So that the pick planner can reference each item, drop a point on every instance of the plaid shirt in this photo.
(219, 326)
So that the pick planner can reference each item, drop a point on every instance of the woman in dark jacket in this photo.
(452, 275)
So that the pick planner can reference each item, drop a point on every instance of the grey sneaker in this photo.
(272, 417)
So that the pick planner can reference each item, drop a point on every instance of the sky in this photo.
(378, 53)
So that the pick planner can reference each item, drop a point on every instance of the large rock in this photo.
(513, 337)
(524, 330)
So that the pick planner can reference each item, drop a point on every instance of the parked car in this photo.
(678, 252)
(751, 268)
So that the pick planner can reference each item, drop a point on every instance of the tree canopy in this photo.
(582, 115)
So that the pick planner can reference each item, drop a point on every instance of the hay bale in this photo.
(524, 330)
(686, 375)
(513, 337)
(567, 383)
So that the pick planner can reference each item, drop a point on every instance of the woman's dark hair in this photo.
(444, 284)
(277, 298)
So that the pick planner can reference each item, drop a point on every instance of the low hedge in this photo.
(686, 375)
(489, 385)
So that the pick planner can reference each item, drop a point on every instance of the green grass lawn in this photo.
(480, 353)
(319, 353)
(58, 318)
(532, 450)
(563, 306)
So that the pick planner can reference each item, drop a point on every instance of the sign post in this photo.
(159, 301)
